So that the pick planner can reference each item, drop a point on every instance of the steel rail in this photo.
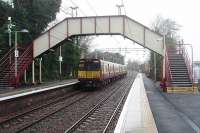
(42, 118)
(115, 111)
(103, 100)
(39, 107)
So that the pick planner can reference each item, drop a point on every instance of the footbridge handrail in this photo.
(5, 57)
(187, 62)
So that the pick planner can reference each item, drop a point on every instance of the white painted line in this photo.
(35, 91)
(136, 115)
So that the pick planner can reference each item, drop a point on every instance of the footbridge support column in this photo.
(40, 70)
(33, 72)
(164, 59)
(25, 77)
(155, 69)
(60, 62)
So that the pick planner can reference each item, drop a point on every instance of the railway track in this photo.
(59, 122)
(69, 109)
(21, 118)
(115, 112)
(105, 106)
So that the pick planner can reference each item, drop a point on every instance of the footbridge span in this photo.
(78, 26)
(98, 25)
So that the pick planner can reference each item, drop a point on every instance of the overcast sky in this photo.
(184, 12)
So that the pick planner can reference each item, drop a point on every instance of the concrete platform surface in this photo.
(173, 113)
(136, 115)
(17, 92)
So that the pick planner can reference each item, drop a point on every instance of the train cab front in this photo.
(89, 72)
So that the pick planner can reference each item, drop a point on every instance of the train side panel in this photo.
(111, 70)
(106, 72)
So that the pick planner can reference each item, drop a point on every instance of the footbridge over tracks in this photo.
(129, 28)
(77, 26)
(98, 25)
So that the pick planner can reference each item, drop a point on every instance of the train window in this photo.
(82, 61)
(81, 65)
(96, 61)
(102, 68)
(89, 66)
(92, 66)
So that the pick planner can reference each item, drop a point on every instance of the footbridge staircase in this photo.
(179, 72)
(8, 76)
(76, 26)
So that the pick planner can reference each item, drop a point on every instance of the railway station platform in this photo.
(6, 94)
(136, 116)
(149, 110)
(173, 113)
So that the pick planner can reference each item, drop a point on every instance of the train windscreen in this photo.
(89, 66)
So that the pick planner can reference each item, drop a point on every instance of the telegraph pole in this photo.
(74, 8)
(119, 9)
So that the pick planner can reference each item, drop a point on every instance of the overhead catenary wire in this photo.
(54, 22)
(124, 7)
(62, 9)
(93, 9)
(78, 8)
(54, 36)
(125, 11)
(22, 24)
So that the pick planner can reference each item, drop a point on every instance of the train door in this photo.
(113, 70)
(102, 71)
(108, 71)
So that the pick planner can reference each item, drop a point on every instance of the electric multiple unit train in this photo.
(95, 72)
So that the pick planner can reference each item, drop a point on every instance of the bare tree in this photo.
(84, 42)
(167, 27)
(108, 56)
(133, 65)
